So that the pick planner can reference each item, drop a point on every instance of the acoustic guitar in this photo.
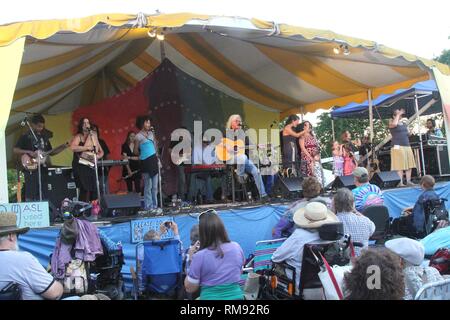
(228, 149)
(31, 163)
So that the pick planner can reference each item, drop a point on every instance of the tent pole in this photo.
(416, 103)
(332, 129)
(369, 94)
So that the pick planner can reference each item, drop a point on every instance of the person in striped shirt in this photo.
(365, 193)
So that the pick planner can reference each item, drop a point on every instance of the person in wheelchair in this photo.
(311, 192)
(20, 271)
(307, 221)
(216, 265)
(417, 218)
(412, 253)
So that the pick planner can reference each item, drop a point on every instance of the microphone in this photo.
(273, 123)
(244, 126)
(152, 129)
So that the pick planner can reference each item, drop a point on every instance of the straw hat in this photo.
(8, 224)
(314, 215)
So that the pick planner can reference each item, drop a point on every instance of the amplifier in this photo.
(61, 185)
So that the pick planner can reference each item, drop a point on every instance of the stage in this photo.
(246, 224)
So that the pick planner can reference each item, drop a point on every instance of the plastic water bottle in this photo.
(174, 200)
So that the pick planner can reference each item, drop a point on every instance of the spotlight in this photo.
(336, 50)
(151, 33)
(160, 36)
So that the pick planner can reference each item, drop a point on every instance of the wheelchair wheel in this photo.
(114, 292)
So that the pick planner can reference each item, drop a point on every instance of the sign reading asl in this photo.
(29, 214)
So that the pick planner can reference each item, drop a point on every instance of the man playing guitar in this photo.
(29, 149)
(244, 164)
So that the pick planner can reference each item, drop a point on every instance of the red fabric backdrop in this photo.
(116, 116)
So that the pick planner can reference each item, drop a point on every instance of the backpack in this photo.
(441, 261)
(75, 280)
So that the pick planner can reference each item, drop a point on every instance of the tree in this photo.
(357, 127)
(444, 57)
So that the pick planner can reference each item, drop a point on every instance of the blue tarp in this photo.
(398, 199)
(382, 104)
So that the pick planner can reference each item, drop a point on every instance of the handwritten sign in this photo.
(140, 227)
(29, 214)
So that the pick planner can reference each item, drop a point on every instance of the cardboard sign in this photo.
(29, 214)
(140, 227)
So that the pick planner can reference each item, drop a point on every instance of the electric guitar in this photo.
(228, 149)
(31, 163)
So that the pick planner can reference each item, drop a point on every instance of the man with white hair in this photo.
(244, 164)
(358, 226)
(22, 267)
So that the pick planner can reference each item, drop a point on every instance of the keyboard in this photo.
(110, 163)
(204, 168)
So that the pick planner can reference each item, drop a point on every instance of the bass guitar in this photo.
(31, 163)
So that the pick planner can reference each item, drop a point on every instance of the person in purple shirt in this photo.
(216, 262)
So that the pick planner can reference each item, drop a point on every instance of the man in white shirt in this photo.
(22, 267)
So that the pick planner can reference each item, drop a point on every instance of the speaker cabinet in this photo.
(120, 205)
(289, 188)
(385, 179)
(344, 182)
(61, 185)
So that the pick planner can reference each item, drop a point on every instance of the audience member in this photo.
(153, 235)
(365, 193)
(22, 267)
(376, 275)
(412, 253)
(307, 220)
(359, 227)
(311, 192)
(416, 215)
(216, 264)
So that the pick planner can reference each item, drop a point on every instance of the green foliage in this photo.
(444, 57)
(12, 184)
(357, 127)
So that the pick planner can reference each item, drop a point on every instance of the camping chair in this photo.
(263, 254)
(379, 215)
(161, 267)
(439, 290)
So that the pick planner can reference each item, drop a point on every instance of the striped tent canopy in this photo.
(275, 67)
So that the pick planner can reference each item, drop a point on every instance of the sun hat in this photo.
(8, 224)
(409, 250)
(314, 215)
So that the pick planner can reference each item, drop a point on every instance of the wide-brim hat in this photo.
(314, 215)
(8, 224)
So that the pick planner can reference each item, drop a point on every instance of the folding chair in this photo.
(161, 267)
(439, 290)
(263, 253)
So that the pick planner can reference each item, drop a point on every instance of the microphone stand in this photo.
(96, 169)
(38, 159)
(159, 169)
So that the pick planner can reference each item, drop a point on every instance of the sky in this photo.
(417, 27)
